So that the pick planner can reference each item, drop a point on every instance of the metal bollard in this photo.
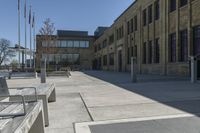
(43, 71)
(133, 70)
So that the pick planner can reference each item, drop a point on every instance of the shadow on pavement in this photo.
(176, 92)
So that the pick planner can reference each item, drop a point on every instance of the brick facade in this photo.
(151, 34)
(85, 58)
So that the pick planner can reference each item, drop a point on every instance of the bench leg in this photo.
(38, 126)
(45, 108)
(52, 97)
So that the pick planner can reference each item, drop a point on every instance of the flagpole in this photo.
(25, 34)
(30, 39)
(34, 36)
(19, 32)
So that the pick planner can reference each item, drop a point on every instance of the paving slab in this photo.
(175, 125)
(68, 109)
(145, 110)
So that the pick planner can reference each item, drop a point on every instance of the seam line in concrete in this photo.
(86, 107)
(181, 100)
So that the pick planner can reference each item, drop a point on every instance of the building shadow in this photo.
(176, 92)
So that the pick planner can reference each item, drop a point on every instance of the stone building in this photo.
(161, 34)
(66, 49)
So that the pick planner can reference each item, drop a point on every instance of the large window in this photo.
(105, 60)
(120, 32)
(51, 58)
(66, 44)
(135, 23)
(76, 44)
(49, 44)
(83, 44)
(128, 27)
(157, 51)
(144, 53)
(157, 10)
(135, 51)
(128, 56)
(132, 26)
(104, 43)
(87, 44)
(95, 48)
(63, 44)
(111, 39)
(145, 17)
(172, 5)
(44, 44)
(150, 55)
(150, 14)
(172, 47)
(63, 58)
(183, 2)
(184, 45)
(197, 40)
(99, 46)
(132, 51)
(70, 44)
(111, 59)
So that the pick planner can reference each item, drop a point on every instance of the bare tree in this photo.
(47, 32)
(5, 52)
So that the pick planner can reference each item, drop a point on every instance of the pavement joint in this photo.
(92, 119)
(143, 103)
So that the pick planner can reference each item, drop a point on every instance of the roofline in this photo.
(89, 36)
(126, 10)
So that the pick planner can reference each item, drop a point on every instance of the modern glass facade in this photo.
(66, 44)
(62, 58)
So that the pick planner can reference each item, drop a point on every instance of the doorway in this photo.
(120, 60)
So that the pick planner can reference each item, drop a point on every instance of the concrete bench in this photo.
(21, 117)
(22, 75)
(59, 73)
(45, 92)
(10, 74)
(6, 74)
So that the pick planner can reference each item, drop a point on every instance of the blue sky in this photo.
(66, 14)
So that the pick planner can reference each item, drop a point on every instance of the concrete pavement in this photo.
(103, 96)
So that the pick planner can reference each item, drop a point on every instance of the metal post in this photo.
(34, 43)
(193, 69)
(25, 23)
(43, 71)
(19, 32)
(30, 38)
(133, 70)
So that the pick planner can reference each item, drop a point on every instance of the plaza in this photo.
(101, 98)
(138, 72)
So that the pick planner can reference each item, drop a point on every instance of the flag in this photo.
(30, 16)
(33, 21)
(18, 4)
(25, 9)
